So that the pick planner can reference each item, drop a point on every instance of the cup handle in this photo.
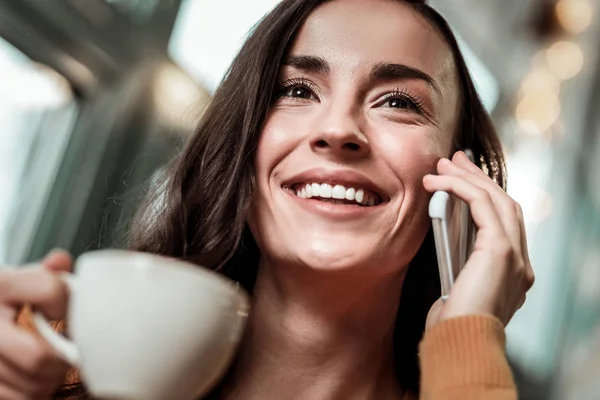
(65, 348)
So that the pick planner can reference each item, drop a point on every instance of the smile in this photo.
(336, 194)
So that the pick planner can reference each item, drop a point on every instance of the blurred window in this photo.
(37, 109)
(207, 35)
(138, 10)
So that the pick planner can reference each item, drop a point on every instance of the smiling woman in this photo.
(307, 181)
(326, 124)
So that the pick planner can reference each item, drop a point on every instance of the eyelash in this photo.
(295, 83)
(415, 103)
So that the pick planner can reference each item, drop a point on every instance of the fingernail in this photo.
(55, 250)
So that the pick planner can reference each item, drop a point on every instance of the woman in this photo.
(308, 181)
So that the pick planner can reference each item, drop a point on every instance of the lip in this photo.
(347, 178)
(334, 211)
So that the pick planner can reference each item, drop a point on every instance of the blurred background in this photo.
(97, 95)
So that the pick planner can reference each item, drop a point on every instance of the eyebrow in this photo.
(380, 72)
(309, 64)
(389, 72)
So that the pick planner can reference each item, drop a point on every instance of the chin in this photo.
(333, 260)
(342, 253)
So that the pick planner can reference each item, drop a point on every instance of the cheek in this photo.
(279, 137)
(413, 152)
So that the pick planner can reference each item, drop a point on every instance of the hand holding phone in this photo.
(498, 273)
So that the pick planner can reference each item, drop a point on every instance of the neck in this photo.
(318, 335)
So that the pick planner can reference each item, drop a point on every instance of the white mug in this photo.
(148, 327)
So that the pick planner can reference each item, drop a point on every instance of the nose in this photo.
(338, 133)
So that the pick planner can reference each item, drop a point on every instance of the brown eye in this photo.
(298, 92)
(297, 89)
(402, 100)
(399, 103)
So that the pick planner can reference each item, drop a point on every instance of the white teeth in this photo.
(350, 194)
(308, 190)
(360, 196)
(325, 191)
(339, 192)
(316, 192)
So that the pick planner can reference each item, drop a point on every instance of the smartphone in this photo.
(454, 234)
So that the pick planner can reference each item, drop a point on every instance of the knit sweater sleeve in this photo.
(464, 358)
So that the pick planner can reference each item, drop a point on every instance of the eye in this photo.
(298, 92)
(398, 103)
(402, 100)
(296, 89)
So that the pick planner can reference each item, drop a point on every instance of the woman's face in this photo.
(367, 103)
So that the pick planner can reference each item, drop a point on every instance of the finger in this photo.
(504, 204)
(7, 313)
(509, 210)
(11, 377)
(529, 274)
(477, 177)
(38, 287)
(523, 300)
(484, 214)
(510, 312)
(447, 167)
(461, 159)
(7, 392)
(58, 260)
(434, 313)
(16, 345)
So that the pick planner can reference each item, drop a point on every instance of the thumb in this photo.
(434, 314)
(57, 261)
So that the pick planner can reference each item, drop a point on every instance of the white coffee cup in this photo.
(147, 327)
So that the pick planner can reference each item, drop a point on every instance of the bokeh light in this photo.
(537, 111)
(177, 97)
(565, 59)
(574, 15)
(540, 81)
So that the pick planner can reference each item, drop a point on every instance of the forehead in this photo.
(353, 35)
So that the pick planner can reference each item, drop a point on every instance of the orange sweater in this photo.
(464, 359)
(461, 359)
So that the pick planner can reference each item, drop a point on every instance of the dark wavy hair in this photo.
(199, 212)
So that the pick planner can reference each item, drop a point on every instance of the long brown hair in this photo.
(199, 212)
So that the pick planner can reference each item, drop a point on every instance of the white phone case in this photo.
(454, 235)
